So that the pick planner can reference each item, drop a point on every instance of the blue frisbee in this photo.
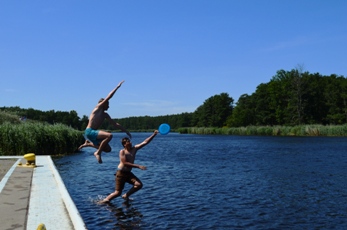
(164, 129)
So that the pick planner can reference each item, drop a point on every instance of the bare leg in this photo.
(87, 143)
(104, 146)
(137, 186)
(110, 197)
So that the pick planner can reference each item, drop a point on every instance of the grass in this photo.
(19, 138)
(302, 130)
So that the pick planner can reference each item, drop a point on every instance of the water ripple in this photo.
(217, 182)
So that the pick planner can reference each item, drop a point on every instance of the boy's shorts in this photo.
(122, 177)
(92, 135)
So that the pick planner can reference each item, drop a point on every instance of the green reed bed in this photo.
(8, 117)
(301, 130)
(38, 138)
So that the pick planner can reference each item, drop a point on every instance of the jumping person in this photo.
(124, 174)
(100, 139)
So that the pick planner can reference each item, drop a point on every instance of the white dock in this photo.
(49, 202)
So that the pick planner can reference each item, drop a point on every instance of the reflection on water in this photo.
(123, 216)
(127, 216)
(217, 182)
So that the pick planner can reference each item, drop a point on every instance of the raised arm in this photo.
(110, 95)
(147, 140)
(103, 101)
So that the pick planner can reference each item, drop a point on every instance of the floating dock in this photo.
(35, 197)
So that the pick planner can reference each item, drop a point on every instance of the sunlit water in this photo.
(217, 182)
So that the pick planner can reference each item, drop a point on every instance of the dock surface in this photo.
(30, 196)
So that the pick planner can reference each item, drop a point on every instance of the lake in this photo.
(216, 182)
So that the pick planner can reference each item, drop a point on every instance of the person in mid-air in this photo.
(100, 139)
(126, 164)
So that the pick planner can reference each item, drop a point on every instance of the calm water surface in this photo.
(216, 182)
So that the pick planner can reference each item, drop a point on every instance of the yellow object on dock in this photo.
(31, 160)
(30, 157)
(41, 227)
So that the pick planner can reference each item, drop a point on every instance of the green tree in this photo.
(261, 102)
(296, 100)
(84, 122)
(335, 95)
(315, 108)
(214, 112)
(244, 112)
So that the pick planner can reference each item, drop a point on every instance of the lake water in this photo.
(216, 182)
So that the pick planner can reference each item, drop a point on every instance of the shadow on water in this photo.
(126, 216)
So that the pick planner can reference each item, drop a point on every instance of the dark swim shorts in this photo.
(92, 135)
(122, 177)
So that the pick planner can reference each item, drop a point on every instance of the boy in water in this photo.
(100, 139)
(124, 174)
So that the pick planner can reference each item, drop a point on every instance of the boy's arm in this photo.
(128, 164)
(110, 95)
(118, 126)
(147, 140)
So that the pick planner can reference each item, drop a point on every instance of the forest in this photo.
(290, 98)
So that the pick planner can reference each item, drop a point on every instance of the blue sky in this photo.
(173, 55)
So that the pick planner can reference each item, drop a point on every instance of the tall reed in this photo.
(8, 117)
(301, 130)
(38, 138)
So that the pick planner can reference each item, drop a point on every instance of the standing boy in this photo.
(100, 139)
(124, 174)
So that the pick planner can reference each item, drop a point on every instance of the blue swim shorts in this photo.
(92, 135)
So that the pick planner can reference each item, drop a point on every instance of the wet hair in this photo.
(124, 140)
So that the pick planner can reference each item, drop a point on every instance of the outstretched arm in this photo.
(147, 140)
(118, 126)
(110, 95)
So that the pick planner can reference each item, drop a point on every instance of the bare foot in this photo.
(98, 157)
(126, 198)
(85, 144)
(104, 201)
(81, 147)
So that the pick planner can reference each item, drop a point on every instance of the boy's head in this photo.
(125, 140)
(106, 105)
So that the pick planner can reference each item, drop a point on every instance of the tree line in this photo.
(289, 98)
(294, 98)
(70, 119)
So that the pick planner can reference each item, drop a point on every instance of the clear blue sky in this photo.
(173, 55)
